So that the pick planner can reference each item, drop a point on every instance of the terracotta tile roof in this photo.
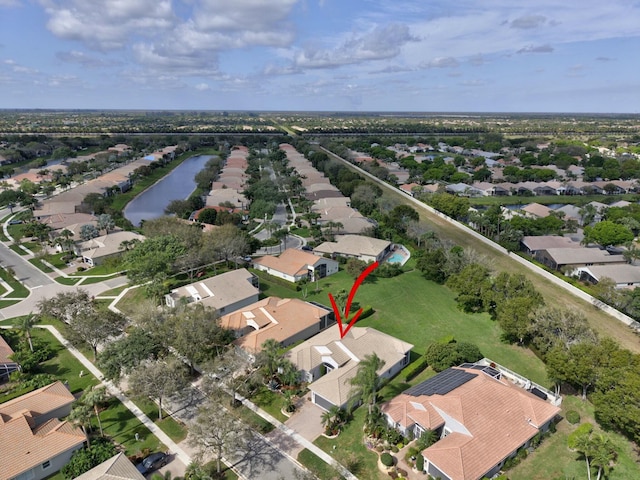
(494, 418)
(117, 467)
(291, 261)
(279, 319)
(39, 401)
(24, 446)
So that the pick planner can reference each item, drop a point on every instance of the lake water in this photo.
(177, 185)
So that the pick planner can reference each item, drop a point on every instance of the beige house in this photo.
(226, 292)
(286, 320)
(329, 362)
(363, 248)
(34, 443)
(96, 250)
(573, 258)
(483, 418)
(295, 265)
(118, 467)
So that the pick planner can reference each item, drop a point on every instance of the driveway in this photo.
(307, 420)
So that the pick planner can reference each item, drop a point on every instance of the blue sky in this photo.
(326, 55)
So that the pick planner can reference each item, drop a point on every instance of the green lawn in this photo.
(270, 402)
(67, 280)
(19, 290)
(420, 312)
(350, 440)
(37, 262)
(553, 459)
(64, 366)
(252, 419)
(316, 465)
(17, 249)
(127, 304)
(90, 280)
(104, 269)
(175, 430)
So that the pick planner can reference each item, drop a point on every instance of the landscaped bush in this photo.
(420, 463)
(394, 449)
(416, 369)
(573, 417)
(366, 312)
(386, 459)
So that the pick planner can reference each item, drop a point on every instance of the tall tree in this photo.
(105, 222)
(96, 327)
(367, 383)
(80, 415)
(93, 398)
(26, 324)
(218, 433)
(159, 380)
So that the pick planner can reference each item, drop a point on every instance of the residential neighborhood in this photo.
(294, 306)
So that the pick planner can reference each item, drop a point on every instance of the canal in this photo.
(177, 185)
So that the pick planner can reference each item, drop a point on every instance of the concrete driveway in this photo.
(307, 420)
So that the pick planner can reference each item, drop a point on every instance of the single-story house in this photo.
(624, 276)
(96, 250)
(481, 416)
(7, 366)
(287, 320)
(536, 210)
(363, 248)
(329, 362)
(533, 244)
(227, 292)
(572, 258)
(295, 265)
(118, 467)
(34, 442)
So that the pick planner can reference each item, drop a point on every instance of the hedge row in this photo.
(416, 369)
(277, 280)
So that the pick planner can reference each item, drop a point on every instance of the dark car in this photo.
(152, 462)
(306, 248)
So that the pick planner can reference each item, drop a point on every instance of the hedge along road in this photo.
(606, 320)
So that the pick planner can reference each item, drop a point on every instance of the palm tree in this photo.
(603, 454)
(269, 356)
(80, 415)
(25, 325)
(66, 241)
(333, 418)
(92, 399)
(366, 383)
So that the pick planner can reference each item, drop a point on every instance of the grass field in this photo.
(316, 465)
(421, 312)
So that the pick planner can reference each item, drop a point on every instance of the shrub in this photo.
(417, 368)
(379, 448)
(420, 463)
(80, 269)
(584, 429)
(394, 448)
(366, 312)
(573, 417)
(386, 459)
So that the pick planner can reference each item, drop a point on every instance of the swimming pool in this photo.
(396, 258)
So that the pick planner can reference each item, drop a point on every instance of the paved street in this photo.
(25, 272)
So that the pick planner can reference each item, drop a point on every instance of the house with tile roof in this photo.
(7, 366)
(363, 248)
(286, 320)
(295, 265)
(118, 467)
(96, 250)
(571, 258)
(624, 276)
(481, 415)
(227, 292)
(34, 443)
(329, 362)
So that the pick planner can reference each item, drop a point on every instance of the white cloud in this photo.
(81, 58)
(381, 43)
(110, 24)
(441, 62)
(536, 49)
(529, 21)
(202, 87)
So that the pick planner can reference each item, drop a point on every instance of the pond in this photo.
(177, 185)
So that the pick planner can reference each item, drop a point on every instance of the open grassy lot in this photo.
(421, 312)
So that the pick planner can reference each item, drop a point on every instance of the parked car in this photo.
(152, 462)
(306, 248)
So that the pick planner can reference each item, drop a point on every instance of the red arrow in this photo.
(354, 288)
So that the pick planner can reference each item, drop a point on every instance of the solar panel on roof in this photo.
(442, 383)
